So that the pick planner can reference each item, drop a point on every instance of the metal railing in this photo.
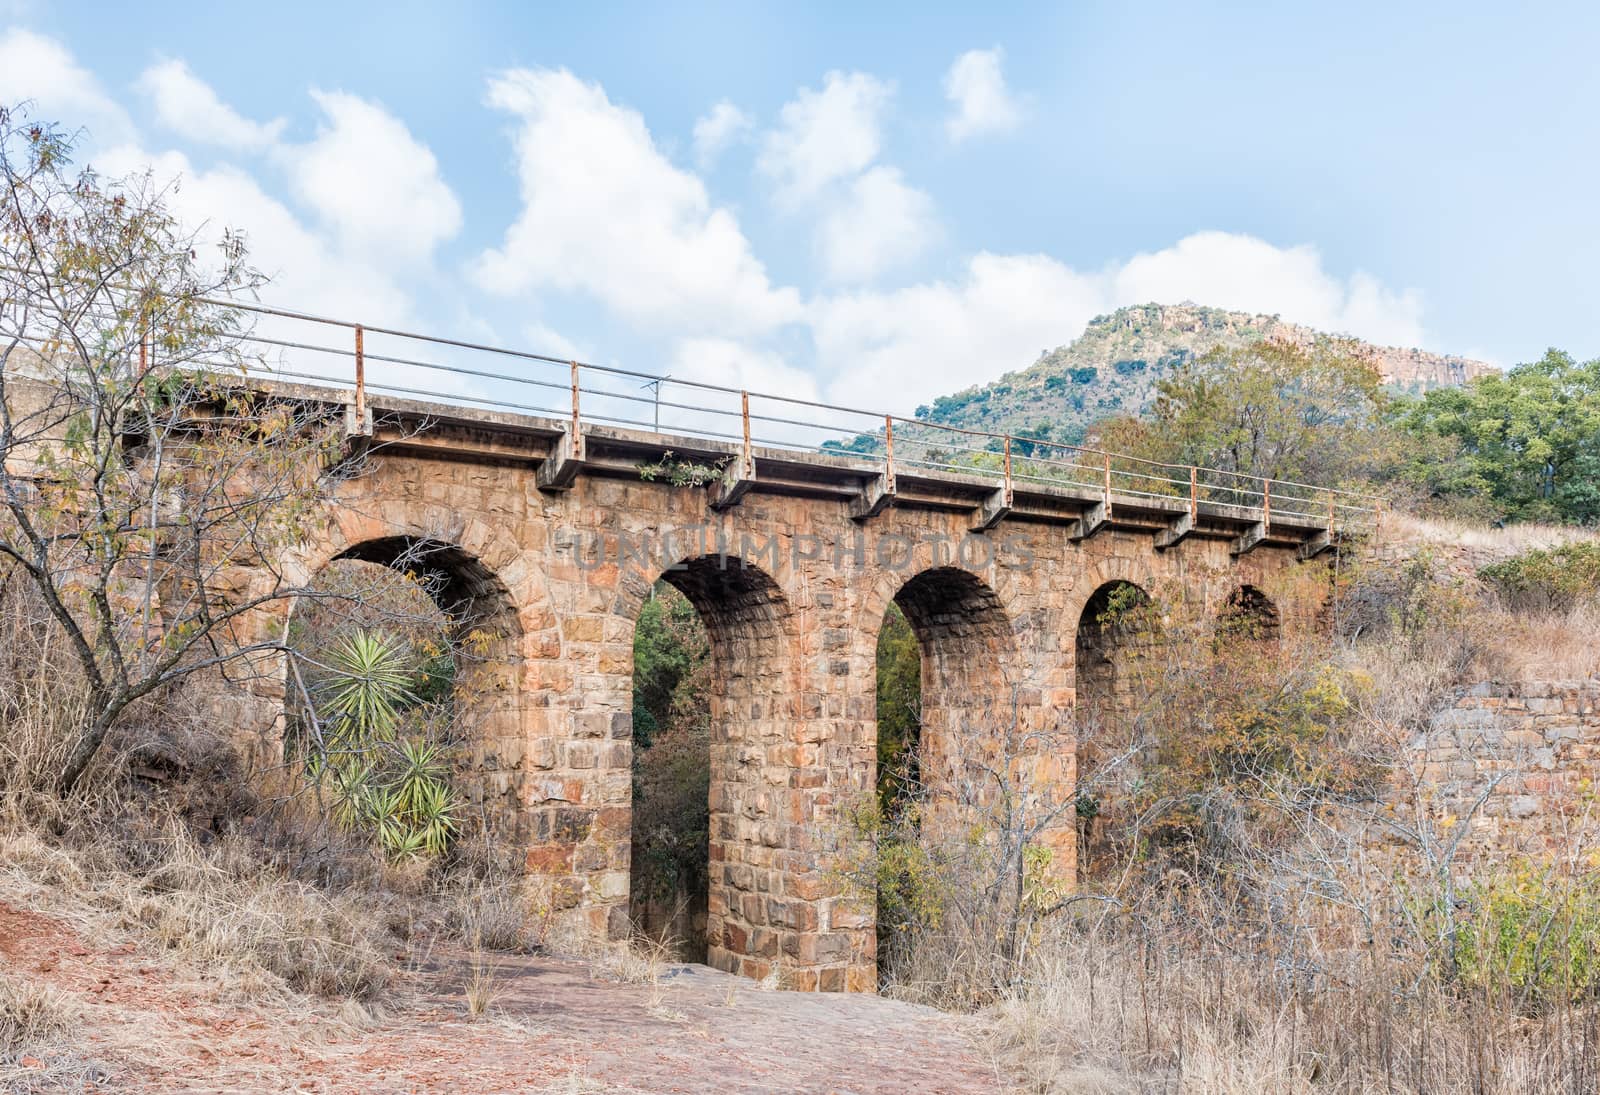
(579, 393)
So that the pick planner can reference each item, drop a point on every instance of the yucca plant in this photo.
(397, 790)
(370, 681)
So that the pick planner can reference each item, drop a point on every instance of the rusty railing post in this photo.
(1008, 469)
(361, 375)
(1107, 456)
(888, 453)
(744, 412)
(575, 419)
(1266, 505)
(1194, 493)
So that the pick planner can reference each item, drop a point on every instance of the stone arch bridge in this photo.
(546, 537)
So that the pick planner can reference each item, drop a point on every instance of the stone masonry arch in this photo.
(1248, 614)
(488, 626)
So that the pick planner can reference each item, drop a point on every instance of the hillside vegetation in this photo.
(1115, 367)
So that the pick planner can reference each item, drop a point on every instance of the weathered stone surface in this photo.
(552, 584)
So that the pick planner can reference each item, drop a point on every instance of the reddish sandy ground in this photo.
(553, 1025)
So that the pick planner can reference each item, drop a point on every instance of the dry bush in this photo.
(33, 1014)
(42, 697)
(1177, 995)
(1327, 941)
(494, 915)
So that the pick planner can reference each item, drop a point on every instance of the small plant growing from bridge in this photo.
(679, 472)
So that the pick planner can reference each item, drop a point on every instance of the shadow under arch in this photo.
(756, 730)
(465, 590)
(485, 632)
(1115, 627)
(968, 673)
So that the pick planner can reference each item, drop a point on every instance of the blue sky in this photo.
(871, 204)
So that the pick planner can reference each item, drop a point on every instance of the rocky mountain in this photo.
(1114, 365)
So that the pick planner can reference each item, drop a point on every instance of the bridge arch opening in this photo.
(1116, 628)
(450, 630)
(711, 707)
(945, 659)
(964, 641)
(1248, 615)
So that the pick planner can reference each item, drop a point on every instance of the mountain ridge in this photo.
(1113, 367)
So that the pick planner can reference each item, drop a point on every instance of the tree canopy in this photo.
(1272, 409)
(1526, 442)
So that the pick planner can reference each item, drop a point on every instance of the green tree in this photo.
(899, 703)
(1272, 409)
(1527, 442)
(669, 644)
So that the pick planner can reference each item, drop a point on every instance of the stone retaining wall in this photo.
(1521, 760)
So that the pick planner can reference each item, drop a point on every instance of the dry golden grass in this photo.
(1167, 1006)
(250, 930)
(34, 1015)
(1547, 646)
(1404, 528)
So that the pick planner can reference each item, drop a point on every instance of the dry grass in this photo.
(1404, 528)
(245, 926)
(1167, 1004)
(482, 986)
(33, 1015)
(1546, 646)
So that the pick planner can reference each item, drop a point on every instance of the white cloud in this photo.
(983, 104)
(606, 214)
(187, 105)
(1228, 270)
(881, 223)
(717, 129)
(894, 349)
(907, 345)
(728, 363)
(826, 135)
(40, 70)
(374, 183)
(306, 272)
(821, 159)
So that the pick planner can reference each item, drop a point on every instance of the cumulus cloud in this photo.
(1229, 270)
(909, 344)
(977, 89)
(896, 348)
(606, 214)
(717, 129)
(826, 135)
(188, 106)
(372, 182)
(37, 69)
(821, 160)
(305, 270)
(879, 224)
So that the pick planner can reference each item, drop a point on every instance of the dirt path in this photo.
(553, 1025)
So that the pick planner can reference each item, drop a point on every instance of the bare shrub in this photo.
(33, 1014)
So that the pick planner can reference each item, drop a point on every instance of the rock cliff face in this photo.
(1114, 365)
